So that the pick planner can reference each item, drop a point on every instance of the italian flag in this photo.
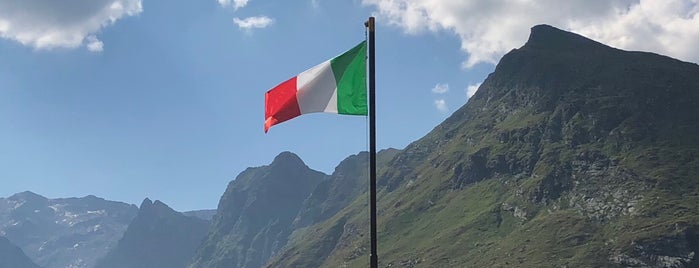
(335, 86)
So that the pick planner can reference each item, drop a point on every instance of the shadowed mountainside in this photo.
(158, 237)
(11, 256)
(256, 212)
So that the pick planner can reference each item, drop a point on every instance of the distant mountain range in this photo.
(64, 232)
(571, 154)
(79, 232)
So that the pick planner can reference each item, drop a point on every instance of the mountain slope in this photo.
(571, 153)
(349, 180)
(256, 212)
(12, 256)
(63, 232)
(158, 237)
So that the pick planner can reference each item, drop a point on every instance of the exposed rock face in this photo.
(158, 237)
(571, 153)
(12, 256)
(64, 232)
(256, 213)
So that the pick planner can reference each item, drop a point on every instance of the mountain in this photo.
(570, 154)
(256, 212)
(12, 256)
(347, 185)
(349, 180)
(158, 237)
(64, 232)
(204, 214)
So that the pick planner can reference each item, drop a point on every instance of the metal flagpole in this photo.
(373, 257)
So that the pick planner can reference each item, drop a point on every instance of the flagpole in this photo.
(373, 257)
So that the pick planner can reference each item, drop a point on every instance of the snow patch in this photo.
(70, 214)
(55, 207)
(15, 204)
(95, 228)
(98, 212)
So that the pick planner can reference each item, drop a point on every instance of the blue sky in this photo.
(130, 99)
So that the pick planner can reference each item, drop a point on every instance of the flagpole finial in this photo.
(370, 24)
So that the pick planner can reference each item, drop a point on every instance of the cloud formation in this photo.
(441, 105)
(253, 22)
(489, 29)
(440, 88)
(47, 24)
(93, 44)
(235, 3)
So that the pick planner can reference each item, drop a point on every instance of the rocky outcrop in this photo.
(256, 213)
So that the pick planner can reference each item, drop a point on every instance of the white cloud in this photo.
(47, 24)
(440, 88)
(489, 29)
(253, 22)
(236, 3)
(471, 89)
(93, 44)
(441, 105)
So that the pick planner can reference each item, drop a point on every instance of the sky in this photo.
(128, 99)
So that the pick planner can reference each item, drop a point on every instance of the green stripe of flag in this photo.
(349, 70)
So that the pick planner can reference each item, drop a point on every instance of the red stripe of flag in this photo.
(281, 103)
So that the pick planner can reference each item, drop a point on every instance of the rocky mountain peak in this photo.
(28, 197)
(159, 237)
(146, 203)
(255, 213)
(155, 208)
(548, 37)
(287, 160)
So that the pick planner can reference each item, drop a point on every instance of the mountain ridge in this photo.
(63, 231)
(158, 237)
(571, 153)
